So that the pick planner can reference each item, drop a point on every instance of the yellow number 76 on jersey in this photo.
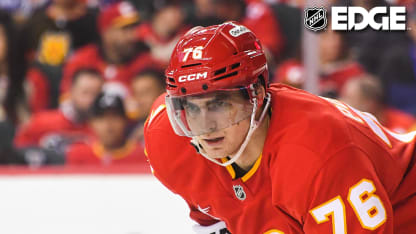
(367, 207)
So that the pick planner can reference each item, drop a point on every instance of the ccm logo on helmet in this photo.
(194, 76)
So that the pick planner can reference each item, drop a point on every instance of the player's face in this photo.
(225, 142)
(222, 118)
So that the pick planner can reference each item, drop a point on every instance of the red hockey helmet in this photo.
(216, 62)
(213, 58)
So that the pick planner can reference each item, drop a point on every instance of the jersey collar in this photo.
(248, 175)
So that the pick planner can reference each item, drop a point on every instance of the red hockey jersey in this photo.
(325, 168)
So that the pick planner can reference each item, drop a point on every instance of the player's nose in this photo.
(208, 123)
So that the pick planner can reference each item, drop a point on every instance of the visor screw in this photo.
(183, 90)
(204, 86)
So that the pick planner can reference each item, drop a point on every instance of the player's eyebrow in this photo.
(218, 97)
(215, 98)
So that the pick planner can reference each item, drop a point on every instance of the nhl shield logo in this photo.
(315, 18)
(239, 192)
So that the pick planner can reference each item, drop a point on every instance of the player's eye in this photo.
(192, 109)
(218, 105)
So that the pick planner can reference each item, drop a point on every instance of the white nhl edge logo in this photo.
(239, 192)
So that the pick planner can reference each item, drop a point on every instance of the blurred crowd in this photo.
(78, 77)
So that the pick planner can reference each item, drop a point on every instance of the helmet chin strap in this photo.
(254, 124)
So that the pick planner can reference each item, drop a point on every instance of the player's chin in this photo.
(216, 153)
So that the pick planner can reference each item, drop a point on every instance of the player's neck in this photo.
(255, 146)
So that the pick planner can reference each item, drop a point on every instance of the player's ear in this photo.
(261, 95)
(260, 91)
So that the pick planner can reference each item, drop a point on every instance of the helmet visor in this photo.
(206, 113)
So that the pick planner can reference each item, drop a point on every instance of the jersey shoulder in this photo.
(301, 119)
(173, 159)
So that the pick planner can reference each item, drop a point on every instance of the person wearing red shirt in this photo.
(119, 55)
(55, 129)
(111, 146)
(272, 159)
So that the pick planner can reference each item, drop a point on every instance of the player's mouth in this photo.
(214, 141)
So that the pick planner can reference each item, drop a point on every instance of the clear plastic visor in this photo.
(203, 114)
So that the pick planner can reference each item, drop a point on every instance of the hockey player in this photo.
(272, 159)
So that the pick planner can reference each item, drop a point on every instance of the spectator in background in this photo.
(56, 129)
(111, 146)
(366, 94)
(146, 87)
(163, 32)
(118, 56)
(50, 35)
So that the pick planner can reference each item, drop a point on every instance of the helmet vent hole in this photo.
(172, 86)
(191, 65)
(219, 71)
(226, 76)
(235, 65)
(171, 79)
(183, 90)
